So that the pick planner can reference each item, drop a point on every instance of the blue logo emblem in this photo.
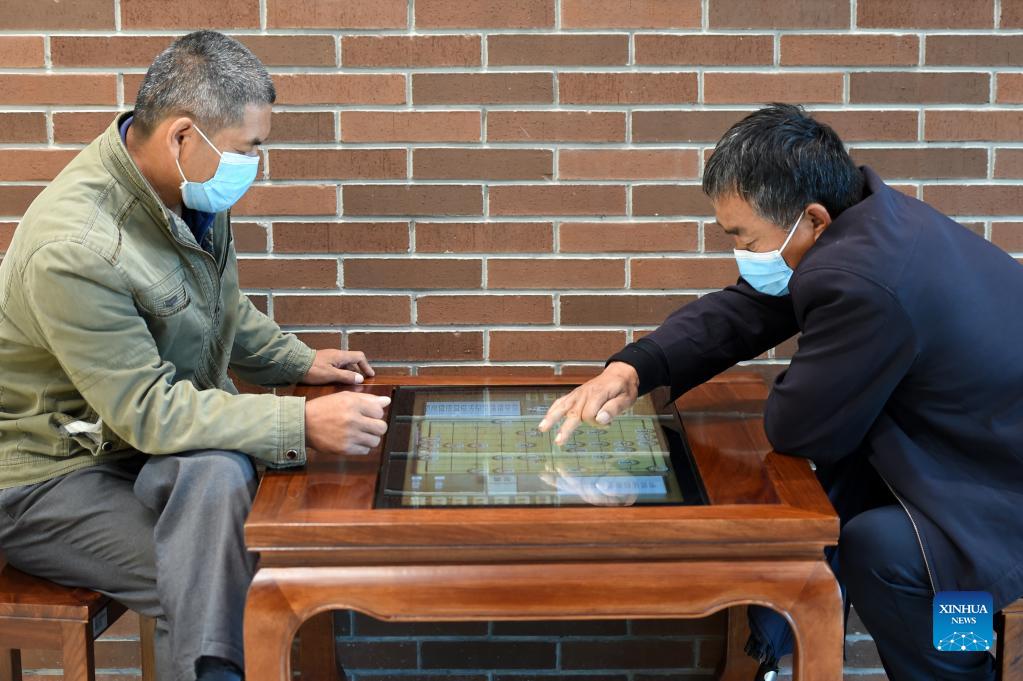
(963, 621)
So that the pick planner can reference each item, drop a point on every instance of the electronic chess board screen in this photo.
(460, 446)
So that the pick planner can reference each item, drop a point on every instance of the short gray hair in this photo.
(779, 160)
(205, 75)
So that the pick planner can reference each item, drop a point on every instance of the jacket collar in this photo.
(877, 199)
(120, 164)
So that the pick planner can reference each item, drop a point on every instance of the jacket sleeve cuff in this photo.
(297, 363)
(648, 360)
(303, 359)
(291, 426)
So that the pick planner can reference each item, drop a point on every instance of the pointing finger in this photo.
(556, 411)
(572, 422)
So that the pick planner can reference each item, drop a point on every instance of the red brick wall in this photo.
(453, 183)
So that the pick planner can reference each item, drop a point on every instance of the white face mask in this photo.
(767, 272)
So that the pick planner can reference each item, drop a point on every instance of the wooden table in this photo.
(760, 540)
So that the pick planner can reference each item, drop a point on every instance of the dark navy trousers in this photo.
(881, 568)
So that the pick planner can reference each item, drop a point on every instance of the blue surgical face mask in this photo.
(767, 272)
(235, 174)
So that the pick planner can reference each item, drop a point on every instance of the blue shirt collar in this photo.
(197, 221)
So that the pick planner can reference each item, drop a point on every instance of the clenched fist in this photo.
(345, 422)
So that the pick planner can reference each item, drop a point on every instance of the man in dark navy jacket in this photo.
(906, 390)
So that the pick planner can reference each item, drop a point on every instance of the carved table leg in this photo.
(806, 591)
(1010, 642)
(318, 649)
(737, 665)
(270, 626)
(818, 632)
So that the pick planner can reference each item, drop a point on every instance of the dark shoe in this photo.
(767, 672)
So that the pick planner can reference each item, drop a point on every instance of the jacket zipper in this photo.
(916, 530)
(207, 257)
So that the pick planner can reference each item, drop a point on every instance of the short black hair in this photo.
(206, 75)
(779, 160)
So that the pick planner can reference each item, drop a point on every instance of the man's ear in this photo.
(820, 217)
(176, 132)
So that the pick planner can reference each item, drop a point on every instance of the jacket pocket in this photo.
(87, 433)
(166, 297)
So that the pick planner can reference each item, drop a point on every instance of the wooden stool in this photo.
(1009, 627)
(38, 614)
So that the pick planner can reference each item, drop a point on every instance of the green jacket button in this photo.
(292, 454)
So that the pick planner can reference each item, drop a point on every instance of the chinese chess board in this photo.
(488, 451)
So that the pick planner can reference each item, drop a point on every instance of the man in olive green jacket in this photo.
(124, 446)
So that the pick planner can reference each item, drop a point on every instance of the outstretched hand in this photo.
(596, 402)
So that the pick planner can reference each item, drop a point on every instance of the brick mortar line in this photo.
(589, 292)
(526, 672)
(706, 220)
(47, 53)
(659, 145)
(273, 31)
(532, 107)
(1014, 218)
(554, 70)
(544, 363)
(49, 131)
(339, 263)
(314, 31)
(525, 638)
(44, 672)
(534, 217)
(412, 180)
(616, 291)
(468, 328)
(497, 31)
(668, 182)
(418, 294)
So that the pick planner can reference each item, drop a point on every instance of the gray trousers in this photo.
(160, 534)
